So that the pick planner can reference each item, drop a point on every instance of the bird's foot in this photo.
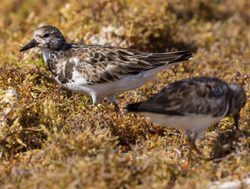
(193, 148)
(116, 107)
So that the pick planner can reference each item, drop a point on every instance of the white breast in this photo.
(46, 55)
(78, 82)
(129, 82)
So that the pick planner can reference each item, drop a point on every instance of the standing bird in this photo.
(98, 71)
(193, 105)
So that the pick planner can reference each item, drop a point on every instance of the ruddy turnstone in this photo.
(99, 71)
(193, 105)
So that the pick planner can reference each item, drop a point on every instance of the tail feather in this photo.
(169, 57)
(133, 107)
(183, 57)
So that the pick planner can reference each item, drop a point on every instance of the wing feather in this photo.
(106, 64)
(196, 96)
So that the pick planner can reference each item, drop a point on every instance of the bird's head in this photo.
(238, 99)
(46, 38)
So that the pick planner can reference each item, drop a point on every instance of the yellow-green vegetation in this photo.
(52, 138)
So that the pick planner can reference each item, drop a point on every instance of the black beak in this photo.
(30, 45)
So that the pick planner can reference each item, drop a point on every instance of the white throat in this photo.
(46, 55)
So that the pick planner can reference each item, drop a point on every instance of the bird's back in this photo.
(102, 64)
(204, 96)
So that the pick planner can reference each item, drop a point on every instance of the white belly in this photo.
(129, 82)
(193, 122)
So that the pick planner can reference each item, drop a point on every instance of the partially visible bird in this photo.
(193, 105)
(99, 71)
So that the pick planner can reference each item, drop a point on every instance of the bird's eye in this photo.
(46, 35)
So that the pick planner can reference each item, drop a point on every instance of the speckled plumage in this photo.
(99, 71)
(193, 104)
(99, 64)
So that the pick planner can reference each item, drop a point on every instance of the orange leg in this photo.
(117, 109)
(113, 100)
(191, 141)
(236, 120)
(193, 147)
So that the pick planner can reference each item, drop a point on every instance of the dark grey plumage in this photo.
(201, 100)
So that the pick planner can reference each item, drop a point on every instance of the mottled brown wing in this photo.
(103, 64)
(197, 96)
